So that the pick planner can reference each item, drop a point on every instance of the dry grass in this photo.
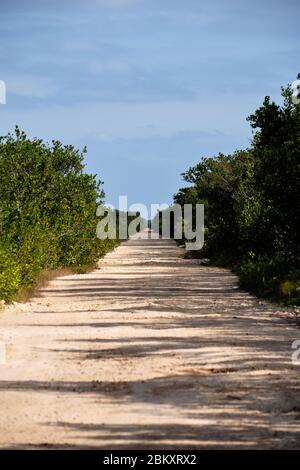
(43, 280)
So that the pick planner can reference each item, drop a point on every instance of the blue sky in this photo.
(150, 86)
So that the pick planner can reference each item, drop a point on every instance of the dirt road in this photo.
(149, 351)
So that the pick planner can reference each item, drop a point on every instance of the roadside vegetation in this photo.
(47, 213)
(252, 203)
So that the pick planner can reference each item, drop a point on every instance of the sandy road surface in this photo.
(151, 350)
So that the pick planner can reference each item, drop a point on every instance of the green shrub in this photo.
(261, 276)
(252, 200)
(10, 276)
(47, 212)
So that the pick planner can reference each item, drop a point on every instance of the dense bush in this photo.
(10, 276)
(252, 200)
(47, 211)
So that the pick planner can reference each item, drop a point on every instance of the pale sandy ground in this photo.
(149, 351)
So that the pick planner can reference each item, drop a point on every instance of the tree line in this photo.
(252, 200)
(47, 212)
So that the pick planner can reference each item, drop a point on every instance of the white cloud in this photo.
(113, 66)
(115, 3)
(79, 45)
(107, 121)
(30, 86)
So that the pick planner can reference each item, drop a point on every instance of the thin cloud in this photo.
(115, 3)
(30, 86)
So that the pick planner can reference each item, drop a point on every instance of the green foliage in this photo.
(10, 276)
(47, 211)
(252, 200)
(261, 276)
